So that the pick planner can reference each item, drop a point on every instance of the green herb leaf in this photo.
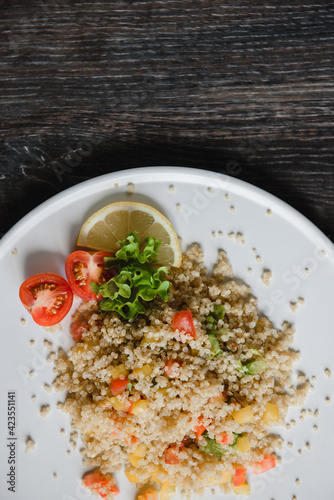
(129, 386)
(211, 321)
(137, 282)
(253, 367)
(215, 344)
(211, 447)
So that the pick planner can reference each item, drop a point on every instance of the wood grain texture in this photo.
(232, 86)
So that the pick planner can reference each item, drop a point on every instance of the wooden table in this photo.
(243, 88)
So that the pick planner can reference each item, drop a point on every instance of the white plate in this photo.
(200, 205)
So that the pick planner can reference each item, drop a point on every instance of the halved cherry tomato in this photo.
(118, 385)
(83, 267)
(239, 477)
(171, 456)
(266, 464)
(183, 321)
(48, 297)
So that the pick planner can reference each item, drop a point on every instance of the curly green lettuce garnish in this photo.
(259, 365)
(138, 281)
(211, 447)
(213, 332)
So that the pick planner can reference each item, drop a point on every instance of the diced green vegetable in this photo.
(211, 447)
(129, 386)
(213, 333)
(215, 344)
(255, 367)
(138, 280)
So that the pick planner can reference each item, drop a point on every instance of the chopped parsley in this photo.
(214, 333)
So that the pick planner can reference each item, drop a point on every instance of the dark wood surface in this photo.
(240, 87)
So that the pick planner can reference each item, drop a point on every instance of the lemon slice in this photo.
(104, 229)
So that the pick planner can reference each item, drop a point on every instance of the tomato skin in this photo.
(225, 439)
(83, 267)
(171, 455)
(48, 298)
(239, 477)
(183, 321)
(266, 464)
(118, 385)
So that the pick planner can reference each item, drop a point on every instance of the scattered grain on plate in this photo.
(294, 497)
(301, 418)
(23, 321)
(209, 190)
(303, 412)
(48, 344)
(32, 342)
(315, 428)
(297, 481)
(33, 398)
(31, 373)
(14, 251)
(62, 432)
(178, 206)
(130, 188)
(289, 444)
(313, 378)
(47, 388)
(328, 400)
(316, 413)
(51, 357)
(258, 258)
(308, 446)
(250, 270)
(323, 252)
(171, 189)
(269, 212)
(294, 307)
(254, 250)
(213, 492)
(226, 196)
(45, 410)
(288, 426)
(116, 185)
(300, 451)
(301, 300)
(232, 209)
(306, 270)
(231, 235)
(68, 452)
(293, 422)
(220, 234)
(266, 277)
(54, 475)
(30, 445)
(310, 413)
(328, 373)
(74, 435)
(240, 239)
(213, 234)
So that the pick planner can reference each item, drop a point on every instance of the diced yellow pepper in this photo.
(139, 407)
(244, 489)
(131, 477)
(271, 414)
(144, 371)
(167, 491)
(243, 416)
(148, 339)
(117, 403)
(117, 371)
(134, 459)
(141, 450)
(243, 444)
(150, 494)
(223, 479)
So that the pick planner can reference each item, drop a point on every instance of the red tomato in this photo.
(225, 439)
(48, 297)
(183, 321)
(118, 385)
(266, 464)
(82, 267)
(172, 368)
(100, 483)
(77, 328)
(239, 477)
(171, 455)
(199, 429)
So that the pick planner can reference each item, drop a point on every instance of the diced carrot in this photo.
(183, 321)
(100, 483)
(118, 385)
(224, 439)
(171, 455)
(92, 478)
(239, 477)
(266, 464)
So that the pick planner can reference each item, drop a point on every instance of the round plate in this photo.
(258, 232)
